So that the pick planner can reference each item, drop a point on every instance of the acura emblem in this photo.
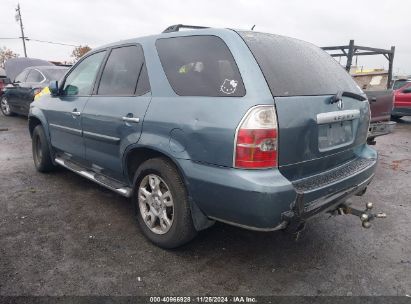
(340, 104)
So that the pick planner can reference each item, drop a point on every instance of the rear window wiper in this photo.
(337, 97)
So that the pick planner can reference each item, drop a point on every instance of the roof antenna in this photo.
(252, 28)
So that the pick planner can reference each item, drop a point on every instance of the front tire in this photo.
(5, 107)
(41, 151)
(161, 204)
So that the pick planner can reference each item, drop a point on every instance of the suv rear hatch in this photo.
(323, 116)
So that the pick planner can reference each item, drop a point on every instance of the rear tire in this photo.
(161, 204)
(5, 107)
(41, 151)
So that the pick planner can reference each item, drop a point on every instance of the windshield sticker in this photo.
(228, 87)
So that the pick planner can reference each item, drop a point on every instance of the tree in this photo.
(79, 51)
(6, 54)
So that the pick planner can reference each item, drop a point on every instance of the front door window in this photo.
(80, 81)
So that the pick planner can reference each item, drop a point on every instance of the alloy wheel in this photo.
(5, 107)
(156, 204)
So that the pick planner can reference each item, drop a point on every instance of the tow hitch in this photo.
(365, 215)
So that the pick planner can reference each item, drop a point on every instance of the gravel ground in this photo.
(63, 235)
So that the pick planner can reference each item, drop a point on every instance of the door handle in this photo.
(76, 113)
(131, 119)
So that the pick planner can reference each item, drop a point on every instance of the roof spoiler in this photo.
(177, 27)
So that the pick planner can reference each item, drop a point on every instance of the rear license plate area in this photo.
(335, 135)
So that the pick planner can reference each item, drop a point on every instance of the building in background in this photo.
(370, 79)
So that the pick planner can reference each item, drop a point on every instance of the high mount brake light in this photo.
(256, 139)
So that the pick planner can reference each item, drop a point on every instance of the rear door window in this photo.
(124, 67)
(200, 66)
(143, 84)
(22, 76)
(294, 67)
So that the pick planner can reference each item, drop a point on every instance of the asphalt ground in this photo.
(61, 234)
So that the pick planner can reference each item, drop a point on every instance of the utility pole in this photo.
(350, 55)
(18, 18)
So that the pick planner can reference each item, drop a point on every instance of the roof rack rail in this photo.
(177, 27)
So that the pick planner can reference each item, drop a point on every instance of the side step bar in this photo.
(95, 177)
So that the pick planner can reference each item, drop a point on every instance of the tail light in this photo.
(256, 139)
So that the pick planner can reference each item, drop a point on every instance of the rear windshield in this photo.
(293, 67)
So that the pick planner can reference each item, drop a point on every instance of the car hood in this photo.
(15, 66)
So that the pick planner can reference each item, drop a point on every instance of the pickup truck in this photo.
(381, 105)
(402, 99)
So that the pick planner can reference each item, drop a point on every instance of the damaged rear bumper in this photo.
(328, 190)
(264, 200)
(301, 212)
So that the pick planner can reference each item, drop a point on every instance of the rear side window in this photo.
(293, 67)
(398, 84)
(55, 74)
(124, 67)
(200, 66)
(34, 76)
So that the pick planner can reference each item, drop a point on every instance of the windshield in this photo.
(293, 67)
(400, 83)
(55, 74)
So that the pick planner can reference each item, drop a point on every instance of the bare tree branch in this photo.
(6, 54)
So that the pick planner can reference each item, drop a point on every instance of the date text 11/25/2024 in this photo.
(206, 299)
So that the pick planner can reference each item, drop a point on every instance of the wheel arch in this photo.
(136, 155)
(33, 122)
(36, 117)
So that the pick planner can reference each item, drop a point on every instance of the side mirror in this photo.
(54, 88)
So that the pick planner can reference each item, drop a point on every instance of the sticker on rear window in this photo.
(228, 87)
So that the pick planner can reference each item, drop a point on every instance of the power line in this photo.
(37, 40)
(19, 19)
(51, 42)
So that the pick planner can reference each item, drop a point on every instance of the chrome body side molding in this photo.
(66, 129)
(101, 137)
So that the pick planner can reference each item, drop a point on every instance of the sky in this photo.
(373, 23)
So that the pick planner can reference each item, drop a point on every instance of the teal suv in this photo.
(251, 129)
